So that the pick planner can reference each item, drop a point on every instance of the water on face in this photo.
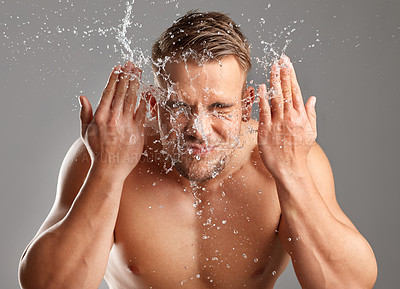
(126, 46)
(176, 144)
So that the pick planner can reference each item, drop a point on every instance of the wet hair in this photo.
(202, 36)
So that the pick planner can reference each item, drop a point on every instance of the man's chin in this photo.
(194, 176)
(200, 170)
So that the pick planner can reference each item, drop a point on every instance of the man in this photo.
(197, 194)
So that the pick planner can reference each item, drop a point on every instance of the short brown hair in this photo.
(210, 35)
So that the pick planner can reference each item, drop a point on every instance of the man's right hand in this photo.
(114, 136)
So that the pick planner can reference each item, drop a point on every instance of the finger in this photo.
(311, 112)
(122, 87)
(284, 64)
(86, 114)
(265, 109)
(298, 103)
(141, 112)
(109, 90)
(131, 96)
(276, 92)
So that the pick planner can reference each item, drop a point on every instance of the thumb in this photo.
(86, 113)
(311, 112)
(140, 113)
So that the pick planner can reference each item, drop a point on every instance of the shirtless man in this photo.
(197, 194)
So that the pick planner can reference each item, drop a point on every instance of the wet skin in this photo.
(228, 239)
(162, 240)
(214, 220)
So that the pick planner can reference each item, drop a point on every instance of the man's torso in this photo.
(224, 237)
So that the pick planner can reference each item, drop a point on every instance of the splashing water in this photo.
(126, 45)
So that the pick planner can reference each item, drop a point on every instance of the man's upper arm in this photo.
(322, 176)
(73, 171)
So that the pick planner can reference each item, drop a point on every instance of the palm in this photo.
(114, 136)
(287, 128)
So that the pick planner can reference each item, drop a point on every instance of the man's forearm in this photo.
(325, 252)
(74, 252)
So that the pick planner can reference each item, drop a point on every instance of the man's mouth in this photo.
(198, 149)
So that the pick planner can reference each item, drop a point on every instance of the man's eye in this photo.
(221, 105)
(176, 104)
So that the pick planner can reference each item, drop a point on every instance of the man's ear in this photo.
(247, 103)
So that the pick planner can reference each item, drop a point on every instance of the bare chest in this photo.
(225, 238)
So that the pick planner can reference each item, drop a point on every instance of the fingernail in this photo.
(80, 100)
(261, 90)
(117, 68)
(285, 59)
(314, 101)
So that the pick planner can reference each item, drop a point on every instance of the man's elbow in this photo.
(371, 274)
(369, 269)
(28, 276)
(364, 278)
(26, 280)
(35, 272)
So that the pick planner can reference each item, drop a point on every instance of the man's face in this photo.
(200, 114)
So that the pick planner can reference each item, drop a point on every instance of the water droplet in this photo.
(255, 260)
(273, 273)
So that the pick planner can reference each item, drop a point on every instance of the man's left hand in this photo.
(287, 128)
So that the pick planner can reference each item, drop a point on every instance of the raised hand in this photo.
(287, 128)
(114, 136)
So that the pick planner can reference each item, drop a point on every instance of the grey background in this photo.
(345, 52)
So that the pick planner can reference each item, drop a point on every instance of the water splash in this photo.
(62, 37)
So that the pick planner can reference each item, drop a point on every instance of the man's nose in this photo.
(198, 125)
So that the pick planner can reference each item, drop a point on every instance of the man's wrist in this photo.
(298, 169)
(292, 178)
(108, 173)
